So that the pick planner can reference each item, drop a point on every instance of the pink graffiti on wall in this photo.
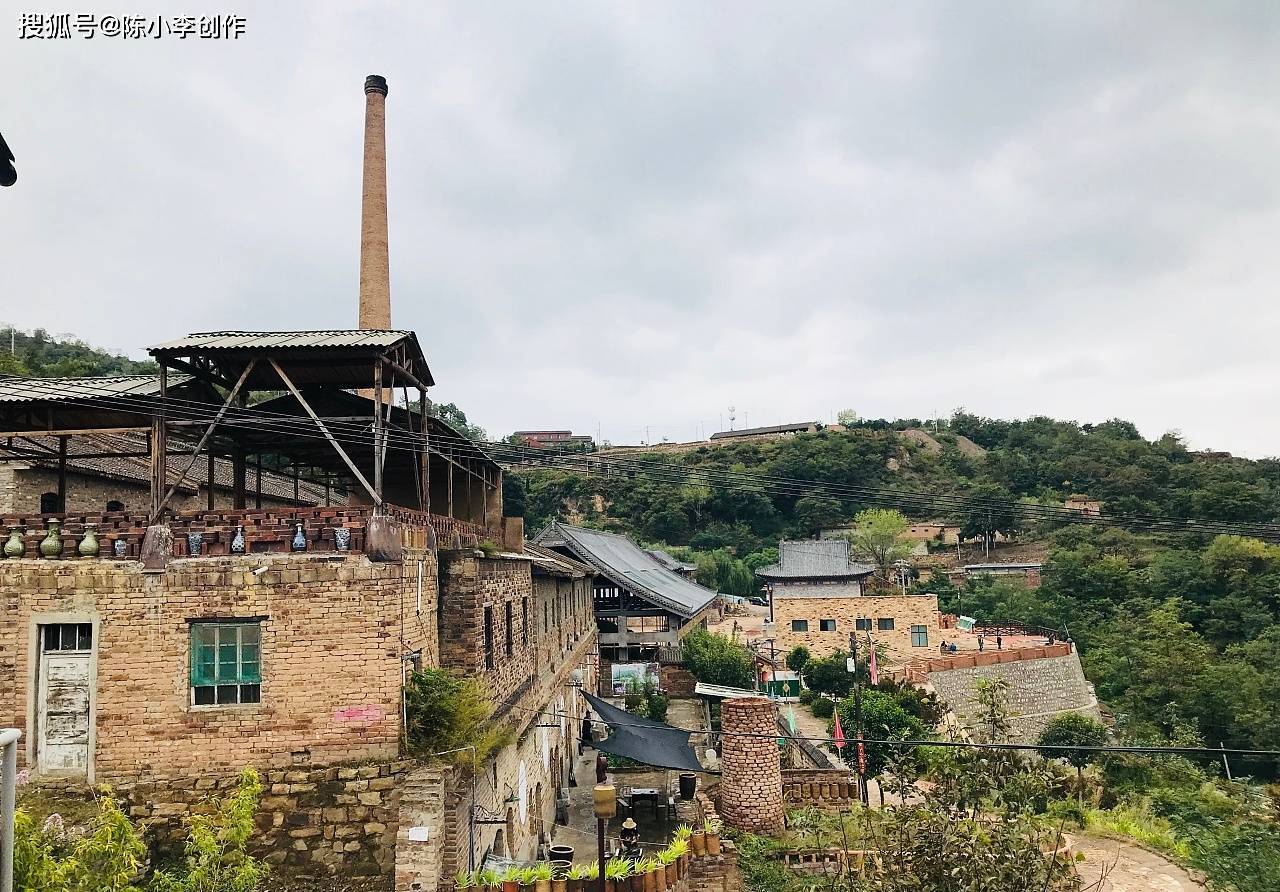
(364, 713)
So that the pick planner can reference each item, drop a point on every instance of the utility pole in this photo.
(859, 752)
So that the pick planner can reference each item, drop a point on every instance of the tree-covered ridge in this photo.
(39, 355)
(1039, 461)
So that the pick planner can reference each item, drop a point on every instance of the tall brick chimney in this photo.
(375, 264)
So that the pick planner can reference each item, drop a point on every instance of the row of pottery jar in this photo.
(51, 544)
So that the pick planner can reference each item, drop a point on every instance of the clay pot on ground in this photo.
(559, 884)
(698, 842)
(713, 842)
(575, 884)
(672, 872)
(542, 886)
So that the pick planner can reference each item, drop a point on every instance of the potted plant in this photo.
(528, 878)
(488, 879)
(511, 879)
(541, 877)
(616, 871)
(465, 881)
(679, 850)
(669, 859)
(698, 842)
(577, 877)
(711, 829)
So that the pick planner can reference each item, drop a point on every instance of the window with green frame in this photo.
(226, 663)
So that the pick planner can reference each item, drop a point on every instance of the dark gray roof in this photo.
(630, 566)
(988, 568)
(815, 559)
(26, 390)
(670, 562)
(772, 429)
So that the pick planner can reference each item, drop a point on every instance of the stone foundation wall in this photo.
(1043, 683)
(326, 820)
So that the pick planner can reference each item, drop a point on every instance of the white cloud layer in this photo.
(632, 216)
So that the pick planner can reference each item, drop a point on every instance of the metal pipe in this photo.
(8, 801)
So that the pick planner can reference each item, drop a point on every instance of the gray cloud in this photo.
(633, 215)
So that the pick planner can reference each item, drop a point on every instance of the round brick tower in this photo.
(750, 768)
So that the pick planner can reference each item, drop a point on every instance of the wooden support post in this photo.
(62, 475)
(159, 447)
(342, 453)
(425, 458)
(212, 500)
(378, 431)
(195, 453)
(448, 466)
(257, 485)
(295, 484)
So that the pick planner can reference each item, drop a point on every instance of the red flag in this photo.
(871, 667)
(838, 737)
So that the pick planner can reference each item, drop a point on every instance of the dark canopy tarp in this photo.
(644, 740)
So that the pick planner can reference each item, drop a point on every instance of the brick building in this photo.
(818, 596)
(162, 649)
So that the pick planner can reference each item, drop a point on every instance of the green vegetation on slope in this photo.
(38, 355)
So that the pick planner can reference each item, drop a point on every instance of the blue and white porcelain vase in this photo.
(121, 547)
(342, 538)
(237, 541)
(299, 538)
(194, 542)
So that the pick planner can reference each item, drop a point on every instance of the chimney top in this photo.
(375, 83)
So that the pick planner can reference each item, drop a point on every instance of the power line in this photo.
(663, 472)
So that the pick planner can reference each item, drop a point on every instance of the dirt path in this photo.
(1132, 869)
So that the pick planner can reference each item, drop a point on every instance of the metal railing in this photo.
(8, 800)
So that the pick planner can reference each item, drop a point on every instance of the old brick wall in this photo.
(1041, 686)
(89, 493)
(750, 767)
(905, 611)
(331, 656)
(676, 680)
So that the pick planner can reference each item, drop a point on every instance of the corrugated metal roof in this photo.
(258, 340)
(30, 390)
(814, 559)
(631, 567)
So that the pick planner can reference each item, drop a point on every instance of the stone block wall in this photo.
(330, 819)
(1043, 682)
(331, 628)
(750, 768)
(906, 611)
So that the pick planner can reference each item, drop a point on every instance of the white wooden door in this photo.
(63, 701)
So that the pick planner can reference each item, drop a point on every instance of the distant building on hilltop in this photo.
(551, 439)
(777, 430)
(1085, 505)
(817, 599)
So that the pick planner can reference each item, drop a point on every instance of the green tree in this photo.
(991, 510)
(815, 513)
(880, 537)
(797, 658)
(1073, 729)
(717, 659)
(829, 675)
(883, 718)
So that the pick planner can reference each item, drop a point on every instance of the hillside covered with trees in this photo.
(1179, 632)
(37, 354)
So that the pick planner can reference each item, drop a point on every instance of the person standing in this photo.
(587, 742)
(999, 642)
(981, 643)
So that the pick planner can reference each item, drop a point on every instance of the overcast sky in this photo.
(632, 216)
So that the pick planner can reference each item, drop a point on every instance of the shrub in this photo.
(823, 708)
(658, 704)
(216, 859)
(807, 696)
(447, 711)
(105, 859)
